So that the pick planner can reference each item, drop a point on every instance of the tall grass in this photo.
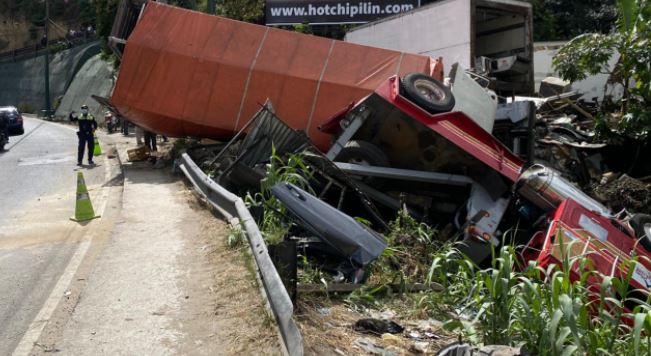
(540, 309)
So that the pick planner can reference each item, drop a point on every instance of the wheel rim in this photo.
(428, 90)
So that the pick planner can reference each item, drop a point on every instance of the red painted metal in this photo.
(582, 233)
(459, 129)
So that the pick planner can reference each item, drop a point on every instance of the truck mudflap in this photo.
(185, 73)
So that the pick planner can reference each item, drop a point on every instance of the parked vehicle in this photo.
(493, 37)
(15, 120)
(4, 136)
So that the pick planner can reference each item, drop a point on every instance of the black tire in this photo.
(363, 153)
(427, 92)
(641, 224)
(17, 132)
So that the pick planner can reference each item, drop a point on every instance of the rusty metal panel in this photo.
(268, 130)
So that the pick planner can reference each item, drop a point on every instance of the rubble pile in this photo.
(623, 193)
(371, 216)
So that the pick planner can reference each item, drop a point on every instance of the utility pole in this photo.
(48, 104)
(211, 7)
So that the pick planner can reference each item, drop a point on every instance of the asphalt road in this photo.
(37, 197)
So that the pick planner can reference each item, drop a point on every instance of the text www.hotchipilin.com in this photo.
(362, 8)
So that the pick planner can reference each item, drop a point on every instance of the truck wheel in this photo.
(427, 92)
(641, 224)
(362, 153)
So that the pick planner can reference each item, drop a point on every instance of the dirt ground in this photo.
(162, 280)
(327, 328)
(218, 276)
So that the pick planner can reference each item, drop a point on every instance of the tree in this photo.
(243, 10)
(564, 19)
(588, 54)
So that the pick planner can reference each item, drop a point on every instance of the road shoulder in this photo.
(165, 282)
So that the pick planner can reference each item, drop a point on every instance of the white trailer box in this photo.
(490, 36)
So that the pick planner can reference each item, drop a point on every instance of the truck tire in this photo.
(641, 224)
(362, 153)
(427, 92)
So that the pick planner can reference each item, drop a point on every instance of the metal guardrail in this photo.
(232, 208)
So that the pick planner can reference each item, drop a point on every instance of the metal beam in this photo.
(405, 174)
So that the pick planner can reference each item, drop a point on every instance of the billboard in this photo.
(315, 12)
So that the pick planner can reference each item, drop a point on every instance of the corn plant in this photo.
(543, 309)
(274, 225)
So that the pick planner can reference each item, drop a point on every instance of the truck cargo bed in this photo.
(186, 73)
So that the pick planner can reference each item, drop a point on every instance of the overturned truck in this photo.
(184, 73)
(385, 118)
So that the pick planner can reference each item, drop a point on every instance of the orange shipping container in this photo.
(186, 73)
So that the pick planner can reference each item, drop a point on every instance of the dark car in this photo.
(14, 120)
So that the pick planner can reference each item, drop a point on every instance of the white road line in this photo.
(24, 136)
(36, 327)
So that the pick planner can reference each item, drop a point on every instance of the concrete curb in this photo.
(230, 206)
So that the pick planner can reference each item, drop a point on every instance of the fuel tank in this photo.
(545, 188)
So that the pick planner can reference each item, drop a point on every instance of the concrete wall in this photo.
(439, 29)
(24, 82)
(94, 78)
(591, 87)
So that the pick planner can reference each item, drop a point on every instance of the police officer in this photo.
(87, 126)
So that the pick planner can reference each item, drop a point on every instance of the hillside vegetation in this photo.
(21, 21)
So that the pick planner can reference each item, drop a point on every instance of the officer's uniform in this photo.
(87, 125)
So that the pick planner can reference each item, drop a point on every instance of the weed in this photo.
(274, 226)
(181, 145)
(26, 107)
(236, 236)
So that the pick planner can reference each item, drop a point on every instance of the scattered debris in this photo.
(377, 326)
(420, 347)
(138, 154)
(373, 349)
(624, 193)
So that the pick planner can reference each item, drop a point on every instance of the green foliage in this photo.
(561, 20)
(411, 246)
(243, 10)
(274, 226)
(105, 11)
(303, 28)
(585, 55)
(310, 274)
(236, 236)
(545, 23)
(589, 54)
(541, 310)
(26, 108)
(57, 47)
